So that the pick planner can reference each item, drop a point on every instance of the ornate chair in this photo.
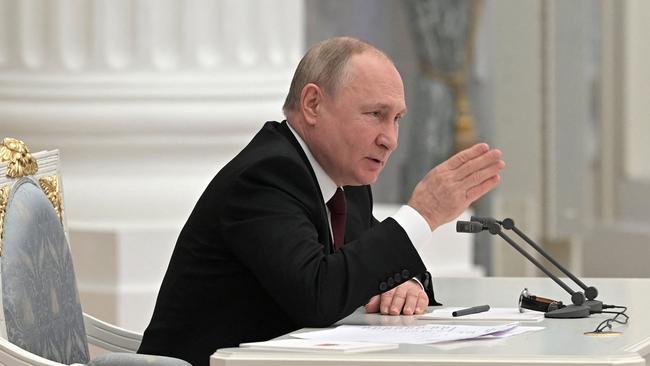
(41, 320)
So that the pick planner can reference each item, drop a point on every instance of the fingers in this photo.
(407, 299)
(478, 191)
(483, 161)
(466, 155)
(373, 305)
(422, 304)
(479, 172)
(480, 176)
(410, 304)
(398, 304)
(387, 302)
(447, 190)
(416, 302)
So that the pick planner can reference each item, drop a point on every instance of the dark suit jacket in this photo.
(255, 259)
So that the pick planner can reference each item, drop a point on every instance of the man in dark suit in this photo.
(283, 237)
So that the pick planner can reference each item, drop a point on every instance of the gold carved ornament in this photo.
(465, 132)
(50, 185)
(16, 153)
(4, 197)
(20, 164)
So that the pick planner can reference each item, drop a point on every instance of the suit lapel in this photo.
(327, 239)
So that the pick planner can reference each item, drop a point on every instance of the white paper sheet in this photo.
(314, 345)
(422, 334)
(511, 332)
(500, 314)
(489, 340)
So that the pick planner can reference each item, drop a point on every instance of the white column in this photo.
(636, 85)
(515, 70)
(146, 101)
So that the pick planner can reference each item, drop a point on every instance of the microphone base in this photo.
(595, 306)
(569, 312)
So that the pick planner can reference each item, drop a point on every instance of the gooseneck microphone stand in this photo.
(590, 292)
(579, 308)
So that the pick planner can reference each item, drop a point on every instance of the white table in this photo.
(562, 342)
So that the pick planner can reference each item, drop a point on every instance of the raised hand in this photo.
(449, 188)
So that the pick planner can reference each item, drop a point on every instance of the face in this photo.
(354, 132)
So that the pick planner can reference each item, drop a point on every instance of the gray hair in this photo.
(325, 65)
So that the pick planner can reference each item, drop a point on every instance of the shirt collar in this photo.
(325, 183)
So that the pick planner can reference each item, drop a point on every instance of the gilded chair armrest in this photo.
(111, 337)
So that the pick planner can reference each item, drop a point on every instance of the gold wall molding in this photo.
(4, 198)
(465, 131)
(16, 153)
(50, 185)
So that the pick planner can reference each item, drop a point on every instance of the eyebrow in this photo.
(384, 106)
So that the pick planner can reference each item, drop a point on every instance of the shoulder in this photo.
(274, 142)
(271, 163)
(273, 155)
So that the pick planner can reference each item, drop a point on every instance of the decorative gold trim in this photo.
(465, 132)
(21, 162)
(50, 185)
(4, 198)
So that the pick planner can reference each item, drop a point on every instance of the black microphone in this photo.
(485, 220)
(469, 227)
(577, 310)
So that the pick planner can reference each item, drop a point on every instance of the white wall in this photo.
(146, 100)
(636, 122)
(617, 244)
(515, 81)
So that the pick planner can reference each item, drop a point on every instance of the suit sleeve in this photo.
(272, 226)
(426, 280)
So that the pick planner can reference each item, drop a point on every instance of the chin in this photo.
(363, 181)
(362, 178)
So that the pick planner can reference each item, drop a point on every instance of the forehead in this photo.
(374, 79)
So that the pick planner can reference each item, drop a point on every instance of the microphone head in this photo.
(486, 221)
(578, 298)
(477, 219)
(591, 292)
(494, 228)
(469, 227)
(508, 224)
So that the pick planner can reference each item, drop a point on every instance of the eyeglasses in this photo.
(606, 325)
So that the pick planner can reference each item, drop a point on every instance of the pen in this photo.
(472, 310)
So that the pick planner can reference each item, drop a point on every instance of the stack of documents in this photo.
(314, 345)
(355, 338)
(419, 334)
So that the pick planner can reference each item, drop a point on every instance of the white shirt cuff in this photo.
(419, 283)
(415, 225)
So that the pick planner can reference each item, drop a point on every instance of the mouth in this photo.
(379, 162)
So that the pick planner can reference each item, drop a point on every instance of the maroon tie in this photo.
(338, 210)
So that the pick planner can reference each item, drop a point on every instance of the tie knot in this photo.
(336, 204)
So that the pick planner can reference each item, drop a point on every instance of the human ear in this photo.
(310, 102)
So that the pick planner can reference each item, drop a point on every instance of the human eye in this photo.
(375, 114)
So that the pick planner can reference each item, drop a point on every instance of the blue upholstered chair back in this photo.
(40, 301)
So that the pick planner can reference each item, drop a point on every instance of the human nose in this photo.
(388, 137)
